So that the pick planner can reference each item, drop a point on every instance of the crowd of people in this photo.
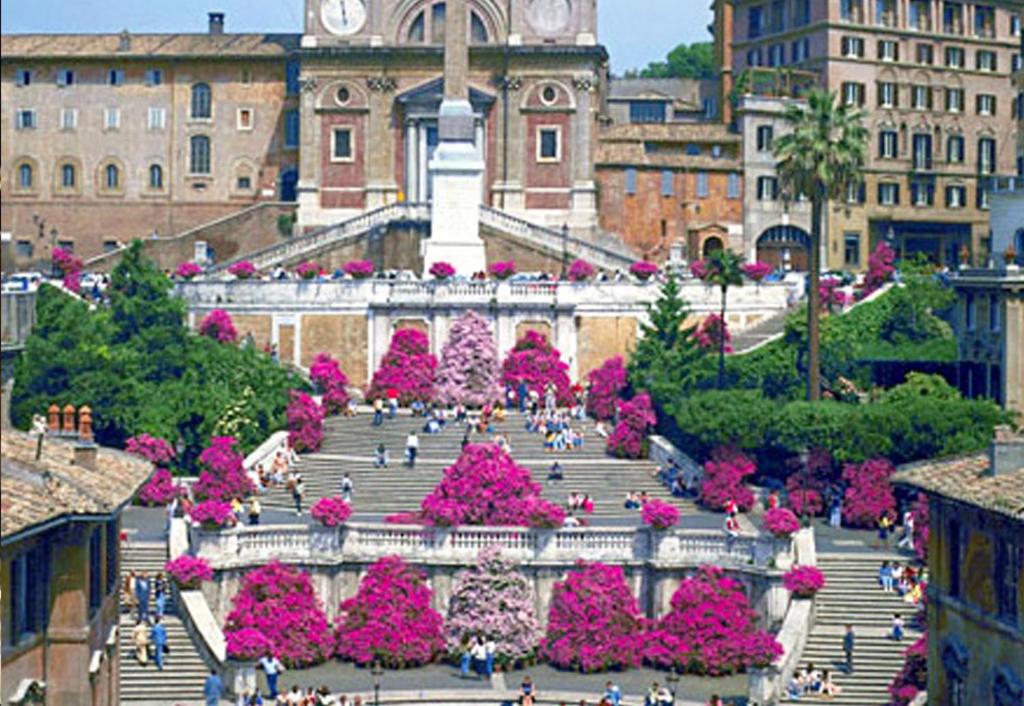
(149, 636)
(810, 681)
(903, 579)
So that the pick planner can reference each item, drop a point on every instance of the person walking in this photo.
(835, 513)
(466, 659)
(140, 638)
(612, 694)
(380, 456)
(298, 490)
(907, 540)
(346, 488)
(213, 689)
(142, 595)
(272, 668)
(897, 627)
(378, 412)
(158, 636)
(254, 510)
(160, 594)
(490, 648)
(522, 396)
(849, 639)
(412, 447)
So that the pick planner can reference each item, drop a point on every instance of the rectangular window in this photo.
(853, 93)
(887, 94)
(986, 104)
(702, 185)
(855, 193)
(888, 50)
(922, 152)
(755, 16)
(157, 119)
(631, 181)
(667, 186)
(852, 10)
(801, 12)
(888, 194)
(885, 13)
(246, 77)
(112, 535)
(68, 118)
(291, 128)
(993, 315)
(732, 189)
(765, 135)
(549, 144)
(291, 77)
(925, 54)
(986, 60)
(986, 156)
(154, 77)
(921, 97)
(23, 249)
(851, 249)
(922, 194)
(26, 119)
(777, 55)
(754, 57)
(767, 188)
(95, 572)
(244, 183)
(65, 77)
(801, 50)
(956, 196)
(954, 57)
(952, 17)
(244, 120)
(954, 540)
(954, 100)
(29, 592)
(341, 144)
(920, 15)
(1008, 564)
(778, 19)
(710, 106)
(852, 47)
(1014, 25)
(955, 149)
(647, 111)
(111, 118)
(984, 21)
(888, 142)
(115, 77)
(23, 77)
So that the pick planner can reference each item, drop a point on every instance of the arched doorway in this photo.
(710, 244)
(787, 247)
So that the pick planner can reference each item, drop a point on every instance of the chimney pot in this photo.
(216, 22)
(53, 418)
(1006, 452)
(69, 419)
(85, 424)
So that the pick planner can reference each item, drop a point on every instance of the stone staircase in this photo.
(762, 332)
(853, 596)
(184, 670)
(349, 445)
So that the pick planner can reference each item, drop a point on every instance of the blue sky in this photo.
(635, 31)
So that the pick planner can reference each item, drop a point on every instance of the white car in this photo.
(23, 282)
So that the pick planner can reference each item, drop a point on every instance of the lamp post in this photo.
(377, 673)
(565, 250)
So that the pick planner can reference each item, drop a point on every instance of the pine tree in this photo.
(468, 372)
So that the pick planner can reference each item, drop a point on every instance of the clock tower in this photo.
(346, 22)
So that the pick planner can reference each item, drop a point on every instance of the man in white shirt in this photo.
(272, 667)
(412, 447)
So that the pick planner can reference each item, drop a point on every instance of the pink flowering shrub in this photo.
(188, 572)
(218, 326)
(222, 476)
(723, 480)
(311, 270)
(711, 629)
(305, 423)
(442, 270)
(805, 502)
(921, 527)
(407, 367)
(486, 487)
(832, 297)
(160, 490)
(359, 269)
(536, 362)
(154, 449)
(188, 270)
(913, 677)
(580, 271)
(699, 269)
(326, 374)
(757, 271)
(243, 269)
(781, 522)
(330, 511)
(494, 600)
(868, 493)
(213, 514)
(659, 514)
(70, 267)
(468, 371)
(710, 333)
(804, 581)
(247, 644)
(629, 438)
(880, 268)
(805, 485)
(594, 623)
(279, 602)
(503, 270)
(606, 383)
(643, 269)
(390, 618)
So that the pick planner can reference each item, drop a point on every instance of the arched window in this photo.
(112, 176)
(67, 176)
(420, 33)
(199, 154)
(417, 30)
(202, 101)
(156, 177)
(25, 176)
(437, 23)
(477, 29)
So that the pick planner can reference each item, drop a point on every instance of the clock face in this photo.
(343, 17)
(549, 16)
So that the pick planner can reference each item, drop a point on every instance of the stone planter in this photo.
(240, 676)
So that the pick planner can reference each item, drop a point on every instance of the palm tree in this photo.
(821, 159)
(723, 268)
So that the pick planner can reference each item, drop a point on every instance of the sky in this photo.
(635, 31)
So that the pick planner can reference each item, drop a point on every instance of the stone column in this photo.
(379, 149)
(583, 208)
(307, 190)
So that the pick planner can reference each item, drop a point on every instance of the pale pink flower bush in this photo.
(468, 371)
(407, 367)
(868, 493)
(390, 618)
(606, 384)
(781, 522)
(494, 600)
(659, 514)
(536, 362)
(580, 271)
(243, 269)
(723, 480)
(188, 270)
(305, 423)
(188, 572)
(218, 326)
(330, 511)
(804, 581)
(326, 374)
(222, 476)
(636, 418)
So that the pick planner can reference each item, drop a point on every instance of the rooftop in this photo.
(966, 479)
(54, 487)
(107, 46)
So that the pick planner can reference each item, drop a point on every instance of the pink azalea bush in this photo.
(442, 270)
(880, 268)
(868, 493)
(699, 269)
(247, 644)
(723, 480)
(594, 622)
(710, 332)
(70, 267)
(222, 476)
(921, 527)
(913, 677)
(188, 270)
(711, 629)
(279, 602)
(494, 600)
(580, 271)
(486, 487)
(243, 269)
(757, 271)
(503, 270)
(330, 511)
(536, 362)
(218, 326)
(781, 522)
(390, 619)
(311, 270)
(152, 448)
(468, 371)
(325, 372)
(805, 502)
(629, 438)
(305, 423)
(659, 514)
(606, 383)
(407, 367)
(188, 572)
(212, 514)
(359, 269)
(832, 296)
(160, 490)
(643, 269)
(803, 581)
(805, 486)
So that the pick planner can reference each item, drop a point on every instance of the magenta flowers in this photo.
(279, 602)
(442, 270)
(699, 269)
(326, 374)
(188, 572)
(160, 490)
(247, 644)
(486, 487)
(468, 372)
(580, 271)
(659, 514)
(922, 530)
(629, 438)
(880, 268)
(710, 333)
(407, 368)
(594, 623)
(305, 422)
(152, 448)
(711, 629)
(781, 522)
(643, 269)
(606, 383)
(503, 270)
(868, 493)
(310, 270)
(222, 477)
(188, 270)
(757, 271)
(723, 480)
(213, 514)
(358, 269)
(913, 677)
(536, 362)
(330, 511)
(390, 618)
(218, 326)
(243, 269)
(804, 581)
(70, 267)
(832, 297)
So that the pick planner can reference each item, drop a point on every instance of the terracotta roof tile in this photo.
(108, 46)
(965, 479)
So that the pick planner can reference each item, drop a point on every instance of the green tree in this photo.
(723, 269)
(820, 159)
(696, 61)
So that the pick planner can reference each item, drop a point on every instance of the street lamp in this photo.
(565, 249)
(377, 673)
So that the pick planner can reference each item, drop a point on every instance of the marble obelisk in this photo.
(456, 170)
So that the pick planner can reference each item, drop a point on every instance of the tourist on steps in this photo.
(380, 456)
(140, 638)
(848, 642)
(158, 636)
(213, 689)
(347, 486)
(897, 627)
(254, 511)
(412, 447)
(378, 412)
(142, 594)
(272, 668)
